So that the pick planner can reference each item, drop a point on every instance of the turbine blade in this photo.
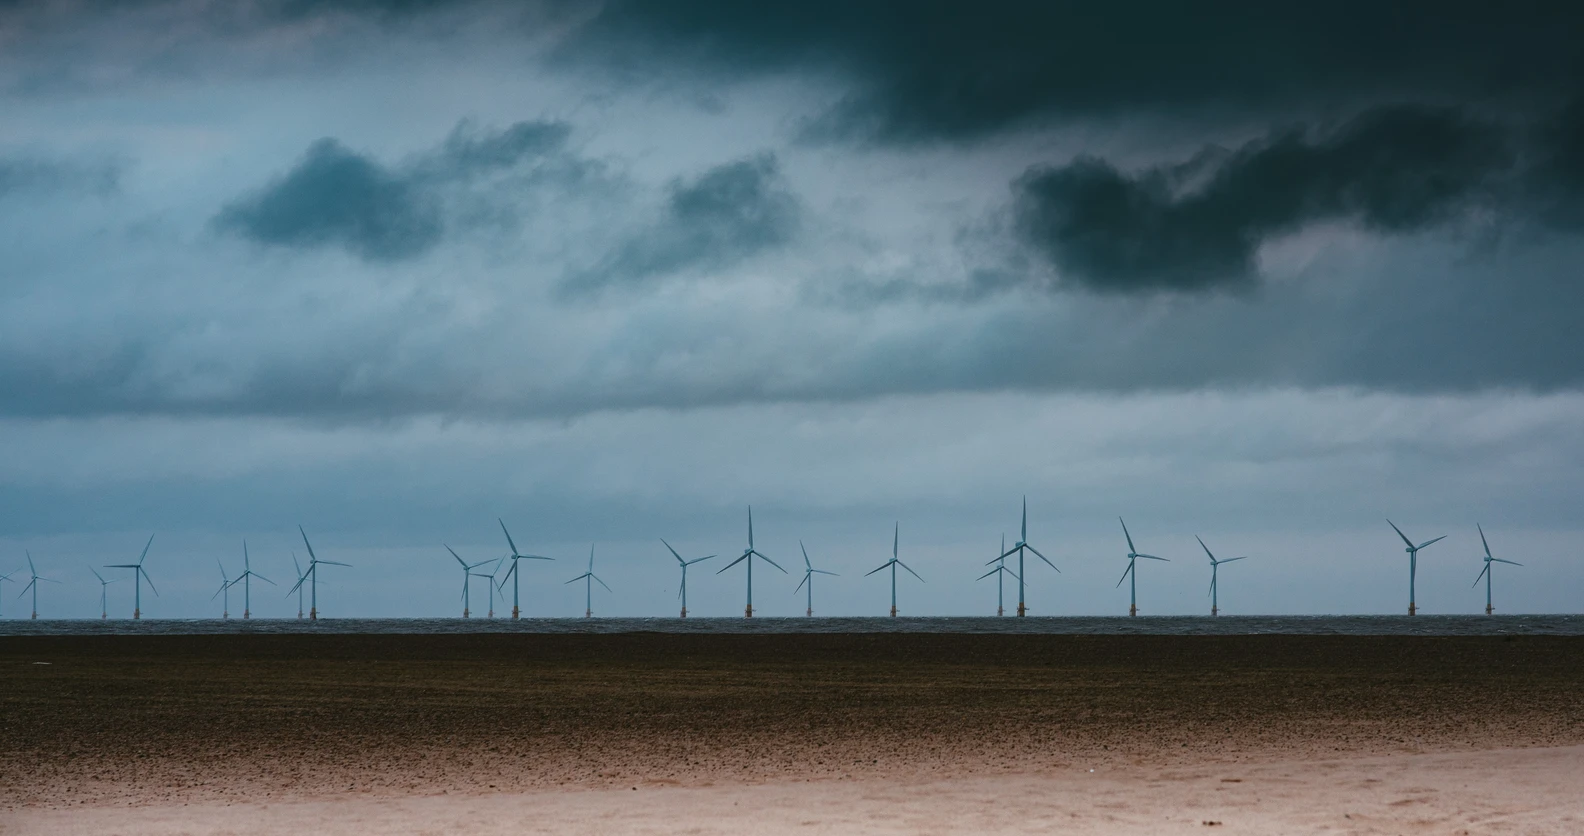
(1126, 534)
(699, 559)
(578, 578)
(339, 563)
(750, 528)
(601, 583)
(673, 551)
(1508, 562)
(1004, 555)
(800, 584)
(90, 568)
(910, 570)
(988, 574)
(1205, 547)
(508, 575)
(1025, 520)
(1125, 573)
(150, 581)
(1041, 557)
(771, 562)
(1230, 559)
(1436, 540)
(1153, 557)
(806, 563)
(882, 566)
(457, 556)
(1482, 540)
(145, 549)
(1400, 534)
(261, 577)
(823, 572)
(1480, 576)
(896, 536)
(304, 534)
(733, 563)
(508, 535)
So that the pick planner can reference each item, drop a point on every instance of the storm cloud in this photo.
(718, 219)
(335, 196)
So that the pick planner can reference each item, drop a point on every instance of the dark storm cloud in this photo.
(721, 218)
(337, 197)
(1198, 224)
(23, 175)
(925, 71)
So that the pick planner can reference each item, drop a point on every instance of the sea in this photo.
(1239, 625)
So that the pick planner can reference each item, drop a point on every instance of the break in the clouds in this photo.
(710, 222)
(335, 196)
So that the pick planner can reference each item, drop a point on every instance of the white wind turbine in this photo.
(1486, 572)
(1214, 565)
(1000, 571)
(1020, 546)
(104, 598)
(589, 579)
(513, 573)
(246, 579)
(139, 574)
(749, 554)
(311, 577)
(1413, 562)
(894, 562)
(1132, 558)
(33, 583)
(682, 593)
(808, 579)
(467, 579)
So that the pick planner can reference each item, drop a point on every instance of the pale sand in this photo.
(1520, 791)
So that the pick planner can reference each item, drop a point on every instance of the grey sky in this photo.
(615, 271)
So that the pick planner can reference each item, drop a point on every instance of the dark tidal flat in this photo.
(97, 718)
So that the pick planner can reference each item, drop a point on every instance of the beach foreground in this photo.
(718, 733)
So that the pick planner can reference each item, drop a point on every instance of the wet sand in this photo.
(889, 733)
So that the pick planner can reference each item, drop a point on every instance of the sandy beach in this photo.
(765, 734)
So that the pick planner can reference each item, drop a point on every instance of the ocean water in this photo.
(1354, 625)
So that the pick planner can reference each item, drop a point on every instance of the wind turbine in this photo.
(1486, 572)
(33, 583)
(682, 593)
(7, 577)
(1000, 571)
(588, 579)
(139, 574)
(467, 576)
(490, 582)
(1019, 547)
(749, 554)
(246, 579)
(104, 600)
(312, 577)
(515, 556)
(298, 567)
(225, 588)
(808, 578)
(1413, 561)
(1132, 557)
(1214, 565)
(894, 563)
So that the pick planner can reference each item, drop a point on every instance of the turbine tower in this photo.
(1019, 547)
(33, 583)
(1214, 565)
(682, 593)
(467, 577)
(1413, 562)
(104, 598)
(749, 554)
(298, 567)
(225, 588)
(808, 579)
(512, 572)
(246, 579)
(1132, 558)
(1000, 571)
(589, 578)
(312, 577)
(139, 574)
(894, 562)
(490, 582)
(1486, 572)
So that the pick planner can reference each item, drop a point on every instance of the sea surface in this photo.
(1318, 625)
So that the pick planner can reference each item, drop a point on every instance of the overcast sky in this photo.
(615, 271)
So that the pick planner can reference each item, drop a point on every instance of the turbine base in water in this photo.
(1132, 609)
(809, 613)
(588, 613)
(1488, 609)
(999, 613)
(1214, 611)
(313, 613)
(514, 612)
(464, 612)
(893, 612)
(1412, 609)
(247, 614)
(1021, 610)
(684, 612)
(748, 613)
(137, 613)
